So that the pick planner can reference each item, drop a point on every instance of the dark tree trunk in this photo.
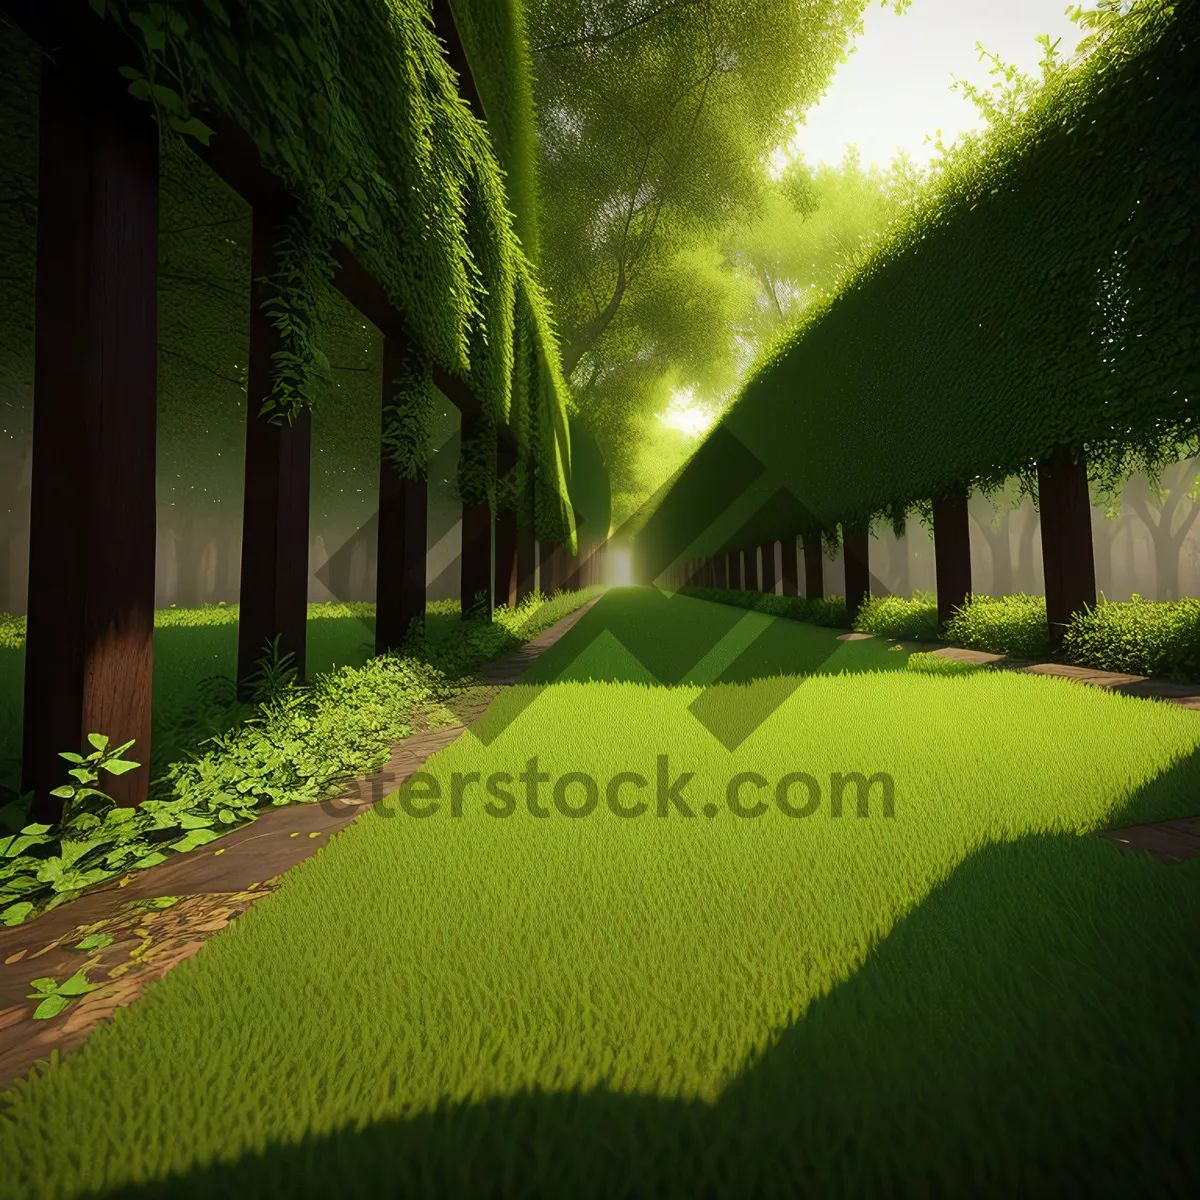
(731, 571)
(402, 533)
(1067, 558)
(90, 633)
(791, 569)
(526, 557)
(814, 567)
(858, 568)
(768, 568)
(475, 576)
(506, 558)
(274, 587)
(951, 554)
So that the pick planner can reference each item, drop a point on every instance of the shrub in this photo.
(1008, 625)
(893, 616)
(1138, 637)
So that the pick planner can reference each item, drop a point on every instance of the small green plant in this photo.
(55, 996)
(293, 747)
(273, 674)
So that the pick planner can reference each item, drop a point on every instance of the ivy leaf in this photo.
(14, 914)
(50, 1007)
(193, 127)
(77, 985)
(95, 941)
(118, 766)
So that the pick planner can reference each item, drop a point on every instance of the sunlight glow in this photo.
(620, 568)
(688, 415)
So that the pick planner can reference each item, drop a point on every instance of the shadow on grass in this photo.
(643, 635)
(1031, 1028)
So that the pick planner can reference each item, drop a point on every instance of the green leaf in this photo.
(99, 740)
(118, 766)
(43, 986)
(149, 860)
(14, 914)
(65, 792)
(95, 941)
(50, 1007)
(77, 985)
(97, 7)
(193, 127)
(70, 756)
(161, 902)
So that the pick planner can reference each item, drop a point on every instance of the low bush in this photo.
(1005, 625)
(896, 617)
(295, 745)
(829, 611)
(1138, 637)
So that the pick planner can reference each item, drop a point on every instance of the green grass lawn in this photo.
(966, 997)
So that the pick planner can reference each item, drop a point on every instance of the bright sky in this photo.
(894, 89)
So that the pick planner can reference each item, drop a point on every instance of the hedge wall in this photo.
(1044, 293)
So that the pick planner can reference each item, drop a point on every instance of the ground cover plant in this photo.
(293, 744)
(967, 995)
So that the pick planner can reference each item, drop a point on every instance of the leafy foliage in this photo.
(1037, 295)
(1138, 638)
(358, 113)
(898, 617)
(294, 745)
(1005, 625)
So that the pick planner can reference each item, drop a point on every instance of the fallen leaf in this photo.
(12, 958)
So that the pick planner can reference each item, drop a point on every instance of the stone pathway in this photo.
(158, 917)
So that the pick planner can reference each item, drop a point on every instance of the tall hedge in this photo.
(1044, 293)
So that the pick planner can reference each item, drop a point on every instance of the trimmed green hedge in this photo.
(830, 611)
(1040, 294)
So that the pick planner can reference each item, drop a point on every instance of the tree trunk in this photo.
(814, 567)
(856, 550)
(791, 570)
(1067, 557)
(952, 554)
(402, 533)
(767, 550)
(274, 585)
(90, 632)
